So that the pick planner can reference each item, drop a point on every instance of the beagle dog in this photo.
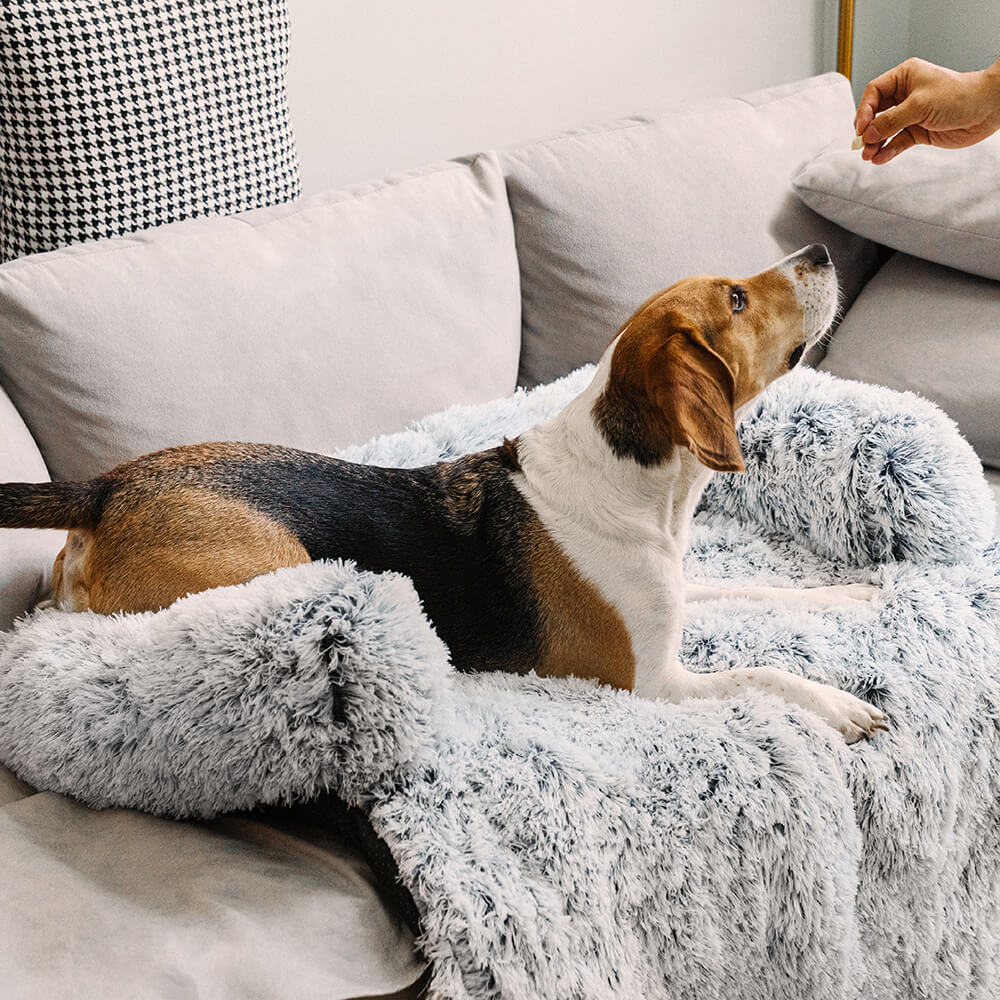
(559, 551)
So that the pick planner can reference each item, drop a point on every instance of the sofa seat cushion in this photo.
(236, 908)
(313, 324)
(993, 478)
(608, 216)
(932, 330)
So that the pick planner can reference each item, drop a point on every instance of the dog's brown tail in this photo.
(51, 505)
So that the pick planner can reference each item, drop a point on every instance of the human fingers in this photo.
(869, 149)
(899, 143)
(885, 125)
(868, 107)
(880, 94)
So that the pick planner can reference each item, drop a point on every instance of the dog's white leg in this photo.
(853, 718)
(817, 597)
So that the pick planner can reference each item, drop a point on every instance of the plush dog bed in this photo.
(562, 840)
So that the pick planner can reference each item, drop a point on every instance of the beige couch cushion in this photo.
(313, 324)
(114, 904)
(25, 555)
(605, 217)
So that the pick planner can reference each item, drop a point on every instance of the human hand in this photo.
(921, 103)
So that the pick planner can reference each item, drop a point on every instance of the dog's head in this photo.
(693, 354)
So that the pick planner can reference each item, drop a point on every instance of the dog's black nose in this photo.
(817, 253)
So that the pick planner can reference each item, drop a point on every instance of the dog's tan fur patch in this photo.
(685, 362)
(143, 556)
(584, 636)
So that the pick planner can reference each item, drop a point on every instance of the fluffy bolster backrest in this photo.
(858, 473)
(262, 693)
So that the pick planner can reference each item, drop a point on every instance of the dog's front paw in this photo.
(853, 718)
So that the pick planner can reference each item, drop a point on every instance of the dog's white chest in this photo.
(622, 525)
(634, 564)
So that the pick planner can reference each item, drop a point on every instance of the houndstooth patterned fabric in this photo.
(118, 115)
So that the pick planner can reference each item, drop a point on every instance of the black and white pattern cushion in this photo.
(117, 116)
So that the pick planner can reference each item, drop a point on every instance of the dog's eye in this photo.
(737, 299)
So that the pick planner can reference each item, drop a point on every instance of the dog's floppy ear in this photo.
(695, 390)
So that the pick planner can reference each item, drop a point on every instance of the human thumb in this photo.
(887, 124)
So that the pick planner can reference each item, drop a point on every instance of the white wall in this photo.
(385, 85)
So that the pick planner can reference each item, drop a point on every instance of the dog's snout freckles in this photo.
(814, 279)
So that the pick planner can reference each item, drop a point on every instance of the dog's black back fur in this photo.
(460, 530)
(456, 529)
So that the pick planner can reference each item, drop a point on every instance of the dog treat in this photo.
(858, 143)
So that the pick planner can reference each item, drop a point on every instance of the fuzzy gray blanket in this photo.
(562, 840)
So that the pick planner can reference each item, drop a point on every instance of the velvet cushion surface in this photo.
(937, 204)
(606, 216)
(313, 324)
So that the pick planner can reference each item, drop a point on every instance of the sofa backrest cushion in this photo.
(25, 555)
(605, 217)
(314, 324)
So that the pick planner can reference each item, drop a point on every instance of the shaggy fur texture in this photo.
(268, 692)
(566, 841)
(857, 473)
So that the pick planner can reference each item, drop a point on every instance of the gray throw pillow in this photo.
(119, 116)
(939, 204)
(932, 330)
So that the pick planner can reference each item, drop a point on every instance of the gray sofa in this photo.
(319, 324)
